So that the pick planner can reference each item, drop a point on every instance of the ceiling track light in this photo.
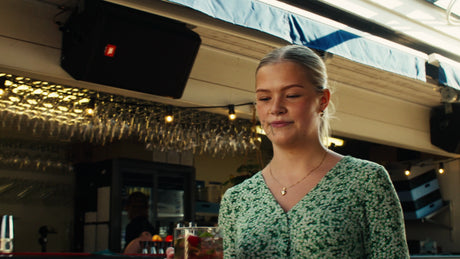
(334, 142)
(231, 112)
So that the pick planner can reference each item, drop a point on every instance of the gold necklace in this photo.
(284, 189)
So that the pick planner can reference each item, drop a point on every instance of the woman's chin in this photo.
(284, 141)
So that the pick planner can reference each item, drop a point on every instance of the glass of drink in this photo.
(198, 242)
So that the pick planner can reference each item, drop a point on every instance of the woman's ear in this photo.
(324, 99)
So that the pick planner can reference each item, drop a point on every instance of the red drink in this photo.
(198, 243)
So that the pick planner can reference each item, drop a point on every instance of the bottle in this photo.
(201, 194)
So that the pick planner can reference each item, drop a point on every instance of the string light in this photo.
(90, 108)
(169, 115)
(231, 112)
(407, 171)
(437, 165)
(88, 115)
(441, 168)
(2, 85)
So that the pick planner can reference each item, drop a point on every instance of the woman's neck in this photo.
(295, 162)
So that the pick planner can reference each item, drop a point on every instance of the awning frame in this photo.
(301, 27)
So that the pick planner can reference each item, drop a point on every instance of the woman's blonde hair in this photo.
(315, 67)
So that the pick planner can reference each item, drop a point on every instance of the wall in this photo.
(214, 169)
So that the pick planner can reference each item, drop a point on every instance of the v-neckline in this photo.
(308, 194)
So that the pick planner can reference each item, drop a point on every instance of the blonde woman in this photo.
(308, 202)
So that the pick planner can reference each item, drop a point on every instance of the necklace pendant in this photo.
(284, 191)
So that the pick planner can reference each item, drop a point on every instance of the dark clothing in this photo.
(136, 227)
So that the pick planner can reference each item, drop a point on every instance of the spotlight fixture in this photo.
(407, 171)
(231, 112)
(169, 115)
(335, 142)
(441, 168)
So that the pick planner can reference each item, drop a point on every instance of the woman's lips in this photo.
(279, 124)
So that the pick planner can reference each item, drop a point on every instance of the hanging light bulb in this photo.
(441, 168)
(407, 171)
(169, 115)
(231, 112)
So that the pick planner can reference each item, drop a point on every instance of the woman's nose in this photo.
(277, 106)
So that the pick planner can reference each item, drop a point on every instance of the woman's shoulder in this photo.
(358, 164)
(361, 169)
(247, 186)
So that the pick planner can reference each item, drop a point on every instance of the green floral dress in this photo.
(353, 212)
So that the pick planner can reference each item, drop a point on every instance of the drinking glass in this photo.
(198, 242)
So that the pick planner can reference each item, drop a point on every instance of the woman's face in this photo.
(288, 105)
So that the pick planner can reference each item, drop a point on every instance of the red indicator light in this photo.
(109, 50)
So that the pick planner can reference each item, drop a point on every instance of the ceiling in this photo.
(249, 46)
(253, 45)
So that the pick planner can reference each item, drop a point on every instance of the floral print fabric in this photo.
(353, 212)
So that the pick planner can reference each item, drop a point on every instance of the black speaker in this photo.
(445, 127)
(110, 44)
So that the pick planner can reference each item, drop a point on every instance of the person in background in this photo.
(139, 228)
(309, 201)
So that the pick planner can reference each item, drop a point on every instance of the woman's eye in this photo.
(293, 95)
(263, 99)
